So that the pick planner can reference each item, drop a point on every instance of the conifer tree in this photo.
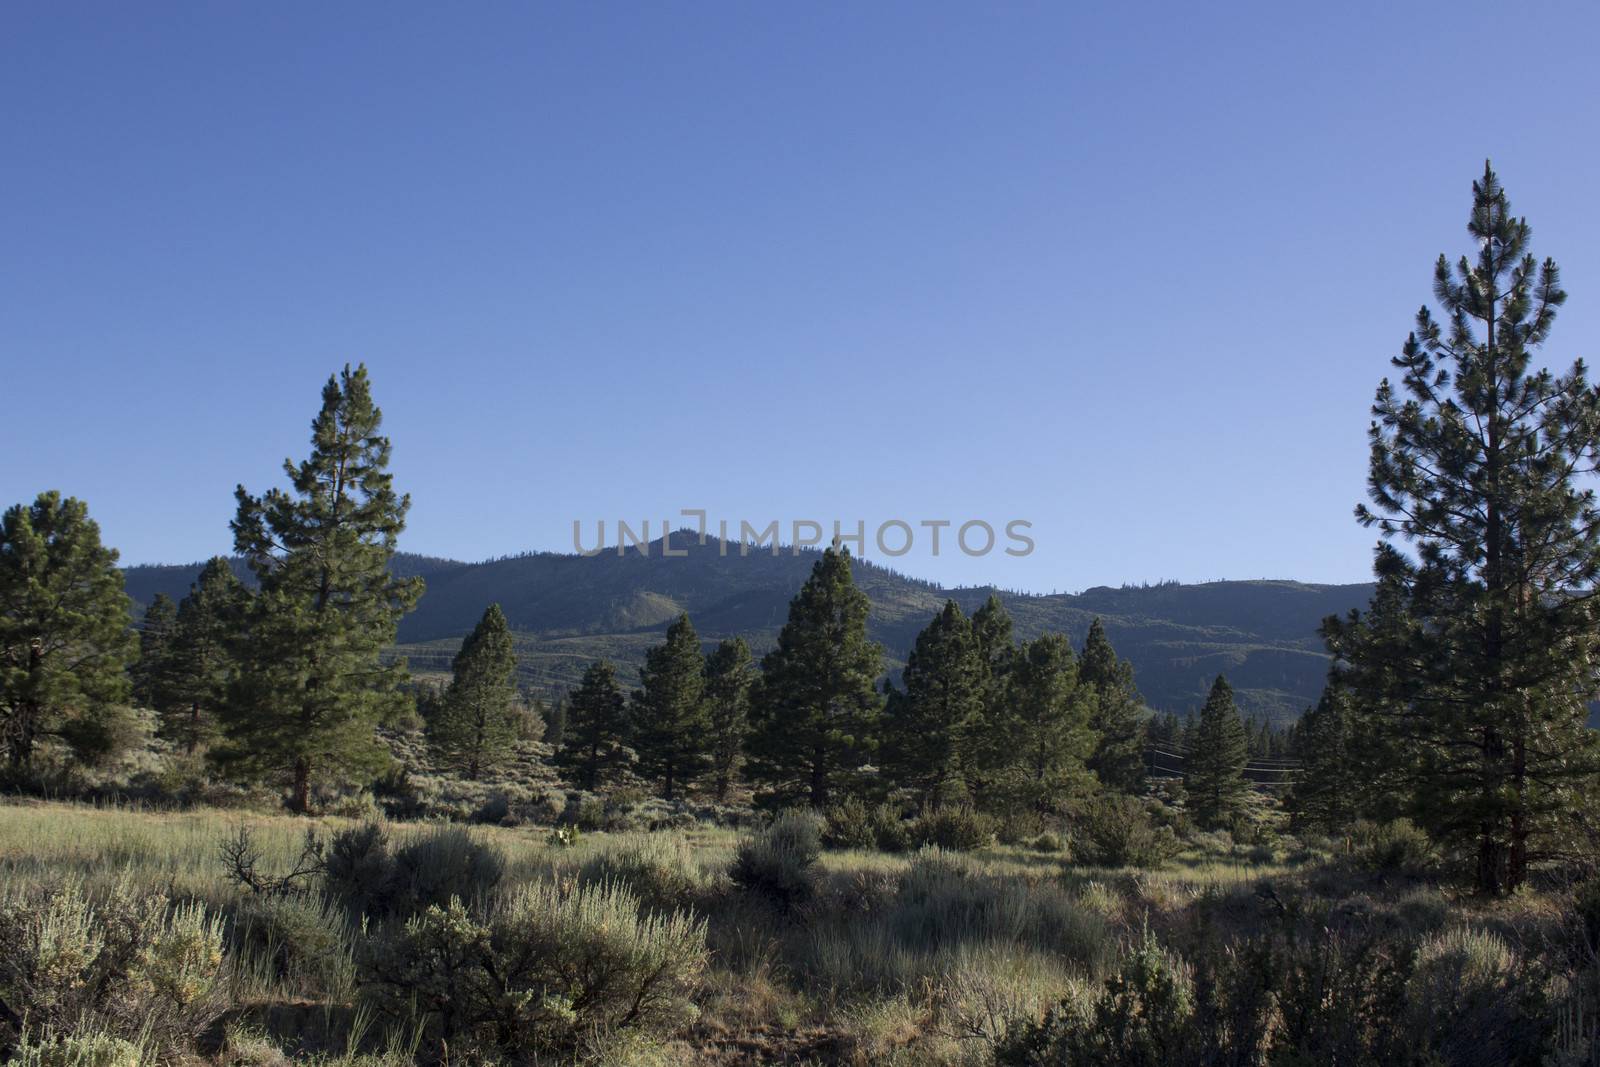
(200, 658)
(928, 728)
(596, 723)
(1118, 719)
(730, 673)
(1483, 466)
(65, 640)
(477, 720)
(151, 672)
(1045, 727)
(670, 722)
(814, 714)
(1325, 794)
(555, 723)
(1215, 780)
(312, 689)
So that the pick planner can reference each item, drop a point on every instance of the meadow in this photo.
(765, 947)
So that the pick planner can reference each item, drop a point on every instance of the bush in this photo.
(91, 1049)
(850, 824)
(1048, 841)
(371, 878)
(1465, 1003)
(957, 829)
(1142, 1018)
(545, 969)
(304, 939)
(127, 966)
(658, 869)
(1395, 847)
(776, 863)
(1116, 831)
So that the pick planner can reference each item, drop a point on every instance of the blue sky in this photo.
(1129, 273)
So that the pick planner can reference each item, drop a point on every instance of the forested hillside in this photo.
(565, 611)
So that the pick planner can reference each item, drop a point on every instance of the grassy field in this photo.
(908, 958)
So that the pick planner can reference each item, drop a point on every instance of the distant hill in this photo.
(568, 610)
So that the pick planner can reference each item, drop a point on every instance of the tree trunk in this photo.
(301, 801)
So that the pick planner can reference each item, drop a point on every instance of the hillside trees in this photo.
(730, 674)
(1215, 783)
(1483, 466)
(814, 714)
(476, 722)
(311, 687)
(1117, 719)
(670, 723)
(928, 728)
(148, 674)
(65, 640)
(595, 726)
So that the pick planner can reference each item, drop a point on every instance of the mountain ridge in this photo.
(567, 610)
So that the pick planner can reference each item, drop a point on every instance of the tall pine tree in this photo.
(1044, 730)
(477, 721)
(65, 641)
(814, 714)
(1326, 792)
(596, 723)
(1118, 719)
(670, 721)
(1483, 466)
(730, 673)
(929, 727)
(312, 688)
(151, 673)
(1214, 780)
(200, 657)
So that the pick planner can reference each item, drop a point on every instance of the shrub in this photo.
(660, 870)
(90, 1049)
(128, 965)
(957, 829)
(304, 939)
(1142, 1018)
(370, 877)
(1465, 1003)
(1116, 831)
(1047, 841)
(776, 863)
(1395, 847)
(545, 969)
(357, 866)
(848, 824)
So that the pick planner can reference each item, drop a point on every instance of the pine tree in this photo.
(555, 723)
(1045, 727)
(814, 714)
(1325, 795)
(477, 721)
(150, 674)
(311, 689)
(1118, 720)
(928, 728)
(1215, 780)
(596, 723)
(65, 640)
(730, 673)
(670, 720)
(200, 658)
(1481, 464)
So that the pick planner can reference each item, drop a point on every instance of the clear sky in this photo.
(1130, 273)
